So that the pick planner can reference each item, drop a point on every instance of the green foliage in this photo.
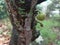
(21, 11)
(40, 16)
(3, 11)
(46, 31)
(58, 42)
(21, 1)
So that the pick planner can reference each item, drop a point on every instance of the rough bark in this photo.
(21, 24)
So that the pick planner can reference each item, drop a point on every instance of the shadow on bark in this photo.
(14, 37)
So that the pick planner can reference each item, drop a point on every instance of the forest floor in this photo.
(6, 27)
(5, 31)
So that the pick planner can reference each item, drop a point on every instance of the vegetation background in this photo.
(50, 31)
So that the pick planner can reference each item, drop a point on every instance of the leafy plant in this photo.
(40, 16)
(46, 31)
(58, 42)
(3, 11)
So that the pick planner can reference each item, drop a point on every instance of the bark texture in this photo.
(23, 24)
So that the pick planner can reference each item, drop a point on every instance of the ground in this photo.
(6, 27)
(5, 31)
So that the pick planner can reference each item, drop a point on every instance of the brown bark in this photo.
(21, 23)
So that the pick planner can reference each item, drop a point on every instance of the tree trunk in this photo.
(22, 31)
